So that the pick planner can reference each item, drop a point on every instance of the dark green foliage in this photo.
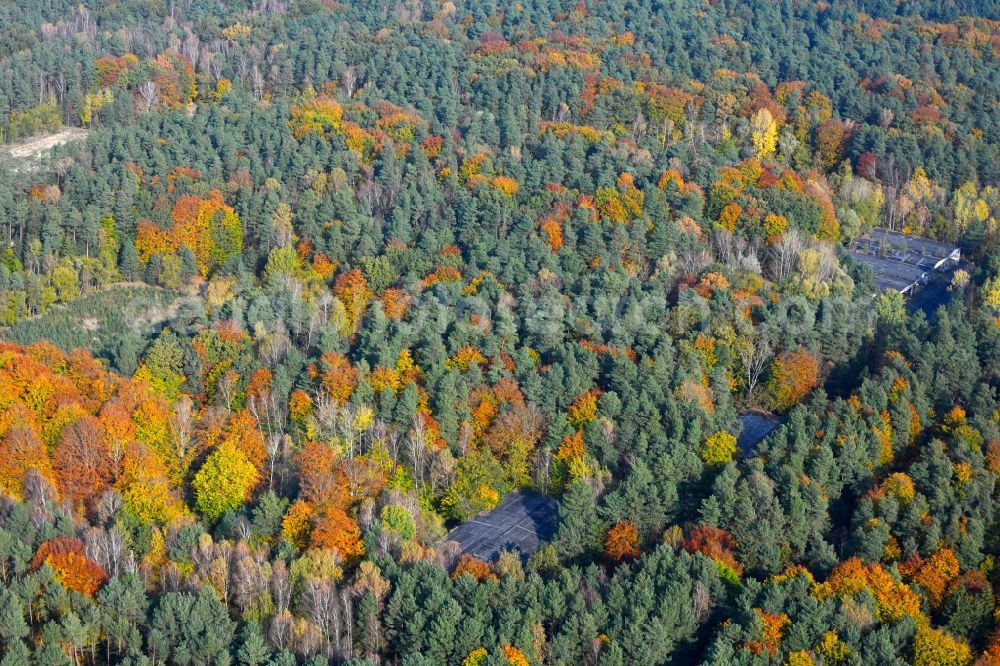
(607, 278)
(110, 323)
(188, 628)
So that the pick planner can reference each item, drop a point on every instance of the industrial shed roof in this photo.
(756, 427)
(923, 252)
(891, 274)
(522, 522)
(899, 261)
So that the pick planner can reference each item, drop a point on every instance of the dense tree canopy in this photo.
(310, 283)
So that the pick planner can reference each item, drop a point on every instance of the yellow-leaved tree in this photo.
(718, 449)
(763, 133)
(934, 647)
(224, 483)
(991, 293)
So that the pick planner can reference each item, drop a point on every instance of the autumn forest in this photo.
(292, 289)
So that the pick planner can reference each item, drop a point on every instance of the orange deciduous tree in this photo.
(465, 358)
(793, 376)
(730, 216)
(334, 529)
(323, 482)
(66, 557)
(515, 657)
(584, 409)
(473, 566)
(831, 135)
(991, 655)
(21, 450)
(243, 434)
(521, 423)
(205, 225)
(893, 598)
(109, 68)
(934, 574)
(715, 542)
(771, 633)
(432, 146)
(622, 541)
(339, 376)
(297, 524)
(553, 229)
(352, 290)
(82, 460)
(395, 302)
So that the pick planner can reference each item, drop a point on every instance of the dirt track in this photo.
(36, 147)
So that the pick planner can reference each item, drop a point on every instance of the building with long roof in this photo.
(902, 262)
